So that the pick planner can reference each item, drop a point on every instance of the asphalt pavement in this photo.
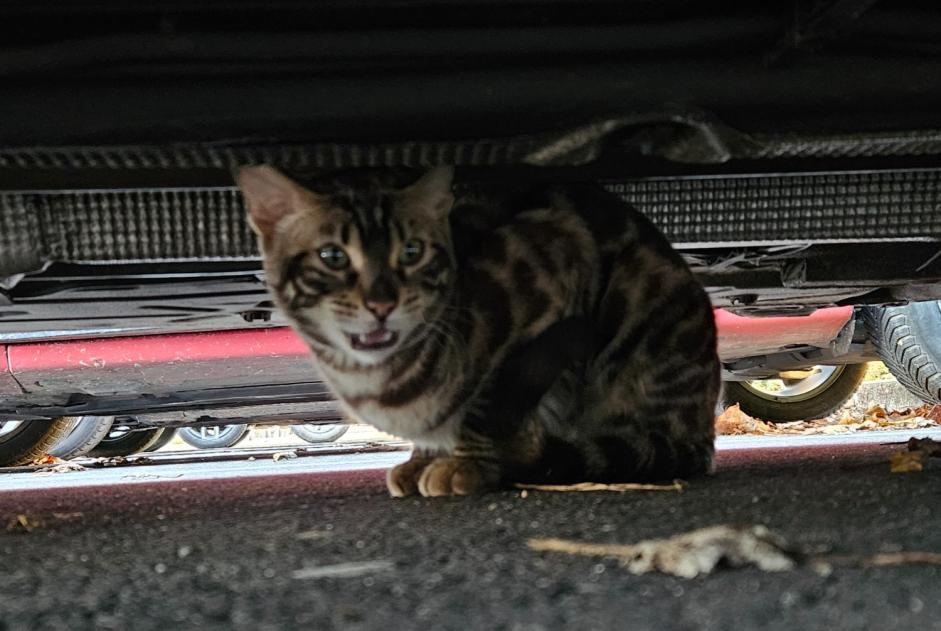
(314, 542)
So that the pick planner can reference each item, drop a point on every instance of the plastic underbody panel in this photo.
(184, 258)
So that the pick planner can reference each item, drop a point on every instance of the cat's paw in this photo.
(402, 479)
(456, 476)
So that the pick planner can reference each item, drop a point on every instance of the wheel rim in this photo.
(116, 433)
(793, 390)
(9, 429)
(213, 432)
(320, 429)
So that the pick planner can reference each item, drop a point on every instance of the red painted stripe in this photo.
(830, 319)
(742, 336)
(735, 331)
(8, 384)
(156, 349)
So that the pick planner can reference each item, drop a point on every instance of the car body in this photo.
(791, 153)
(205, 377)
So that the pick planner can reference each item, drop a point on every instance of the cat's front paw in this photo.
(457, 476)
(402, 479)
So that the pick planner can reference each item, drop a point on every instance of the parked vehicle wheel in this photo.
(316, 433)
(816, 395)
(85, 434)
(21, 442)
(908, 340)
(124, 441)
(165, 437)
(214, 436)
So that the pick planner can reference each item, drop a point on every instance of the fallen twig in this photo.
(689, 554)
(701, 551)
(885, 559)
(621, 487)
(343, 570)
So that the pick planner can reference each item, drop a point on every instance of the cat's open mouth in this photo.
(374, 340)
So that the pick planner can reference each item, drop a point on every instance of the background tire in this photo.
(21, 442)
(86, 433)
(908, 340)
(213, 436)
(818, 402)
(165, 437)
(124, 442)
(314, 433)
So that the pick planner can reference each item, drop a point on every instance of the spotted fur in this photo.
(549, 334)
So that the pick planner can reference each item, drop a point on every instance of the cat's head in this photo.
(362, 268)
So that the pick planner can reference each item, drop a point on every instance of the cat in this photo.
(530, 333)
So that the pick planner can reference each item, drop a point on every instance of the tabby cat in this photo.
(542, 334)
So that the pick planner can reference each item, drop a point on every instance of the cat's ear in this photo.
(269, 194)
(432, 192)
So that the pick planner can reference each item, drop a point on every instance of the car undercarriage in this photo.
(790, 151)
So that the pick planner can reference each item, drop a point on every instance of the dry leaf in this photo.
(907, 461)
(284, 455)
(928, 446)
(46, 460)
(113, 461)
(63, 467)
(677, 485)
(733, 421)
(22, 523)
(876, 412)
(690, 554)
(934, 413)
(919, 450)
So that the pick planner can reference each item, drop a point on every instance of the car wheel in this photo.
(908, 340)
(214, 436)
(86, 433)
(124, 441)
(165, 437)
(317, 433)
(21, 442)
(816, 395)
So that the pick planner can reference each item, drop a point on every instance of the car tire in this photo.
(117, 443)
(21, 442)
(86, 433)
(201, 438)
(317, 433)
(818, 402)
(908, 340)
(165, 437)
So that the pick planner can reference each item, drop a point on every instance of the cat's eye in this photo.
(411, 252)
(334, 257)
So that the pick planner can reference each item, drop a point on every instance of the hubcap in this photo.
(793, 390)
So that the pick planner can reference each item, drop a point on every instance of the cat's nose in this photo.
(380, 308)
